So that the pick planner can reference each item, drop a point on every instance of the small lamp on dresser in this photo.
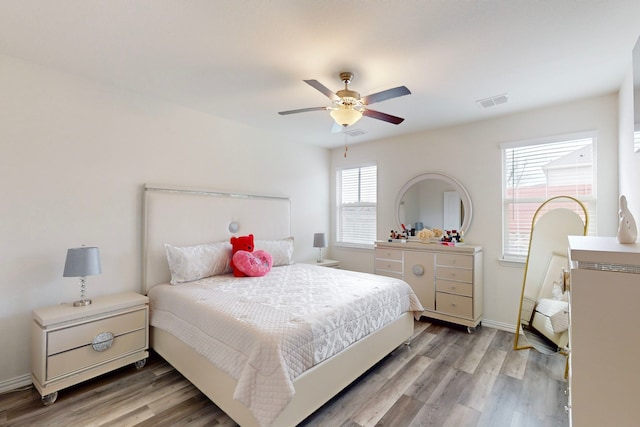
(81, 262)
(320, 241)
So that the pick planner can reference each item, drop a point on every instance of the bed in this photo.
(294, 375)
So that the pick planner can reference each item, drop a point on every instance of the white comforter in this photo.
(265, 331)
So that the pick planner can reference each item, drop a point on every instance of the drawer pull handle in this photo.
(102, 341)
(418, 270)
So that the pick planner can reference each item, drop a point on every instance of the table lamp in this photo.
(320, 241)
(81, 262)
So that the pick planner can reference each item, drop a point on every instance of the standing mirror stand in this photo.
(543, 316)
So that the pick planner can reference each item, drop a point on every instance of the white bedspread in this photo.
(265, 331)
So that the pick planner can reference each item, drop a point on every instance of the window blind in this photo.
(357, 199)
(535, 172)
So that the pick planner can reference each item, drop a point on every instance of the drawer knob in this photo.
(418, 270)
(102, 341)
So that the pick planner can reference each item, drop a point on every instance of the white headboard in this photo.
(191, 216)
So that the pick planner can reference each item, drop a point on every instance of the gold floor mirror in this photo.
(543, 315)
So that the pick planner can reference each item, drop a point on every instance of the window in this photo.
(536, 171)
(356, 210)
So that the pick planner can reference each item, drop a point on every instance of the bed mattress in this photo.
(265, 331)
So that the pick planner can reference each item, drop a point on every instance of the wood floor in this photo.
(445, 378)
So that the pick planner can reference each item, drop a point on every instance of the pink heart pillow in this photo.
(254, 264)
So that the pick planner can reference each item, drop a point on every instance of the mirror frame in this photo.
(464, 196)
(540, 212)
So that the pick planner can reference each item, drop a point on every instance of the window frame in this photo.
(339, 206)
(590, 200)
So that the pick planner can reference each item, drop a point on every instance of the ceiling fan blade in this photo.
(383, 116)
(301, 110)
(386, 94)
(322, 88)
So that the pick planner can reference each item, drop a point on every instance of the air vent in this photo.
(354, 132)
(493, 101)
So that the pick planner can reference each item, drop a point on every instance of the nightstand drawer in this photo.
(454, 305)
(458, 274)
(79, 335)
(457, 288)
(84, 357)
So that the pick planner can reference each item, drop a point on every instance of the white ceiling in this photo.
(245, 59)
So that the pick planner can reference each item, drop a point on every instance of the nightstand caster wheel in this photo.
(49, 399)
(140, 363)
(471, 329)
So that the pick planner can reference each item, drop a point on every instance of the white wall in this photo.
(628, 159)
(471, 154)
(74, 158)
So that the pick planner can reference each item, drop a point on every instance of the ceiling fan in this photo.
(348, 107)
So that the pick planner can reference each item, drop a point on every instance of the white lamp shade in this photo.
(81, 262)
(345, 115)
(319, 240)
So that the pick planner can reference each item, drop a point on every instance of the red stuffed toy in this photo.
(242, 243)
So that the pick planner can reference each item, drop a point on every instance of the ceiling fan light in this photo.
(345, 116)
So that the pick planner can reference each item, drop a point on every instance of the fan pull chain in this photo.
(346, 147)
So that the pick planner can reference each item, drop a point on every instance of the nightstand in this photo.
(73, 344)
(326, 263)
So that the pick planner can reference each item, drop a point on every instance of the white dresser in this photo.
(604, 339)
(446, 279)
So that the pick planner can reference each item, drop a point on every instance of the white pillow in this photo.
(190, 263)
(280, 250)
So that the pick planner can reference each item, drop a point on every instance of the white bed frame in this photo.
(188, 216)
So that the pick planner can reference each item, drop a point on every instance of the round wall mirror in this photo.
(434, 200)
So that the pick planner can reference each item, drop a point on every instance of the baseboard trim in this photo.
(499, 325)
(14, 383)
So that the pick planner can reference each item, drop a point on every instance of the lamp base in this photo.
(82, 303)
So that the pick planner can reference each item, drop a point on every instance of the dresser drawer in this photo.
(84, 357)
(389, 254)
(79, 335)
(460, 261)
(393, 274)
(388, 265)
(457, 274)
(457, 288)
(454, 305)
